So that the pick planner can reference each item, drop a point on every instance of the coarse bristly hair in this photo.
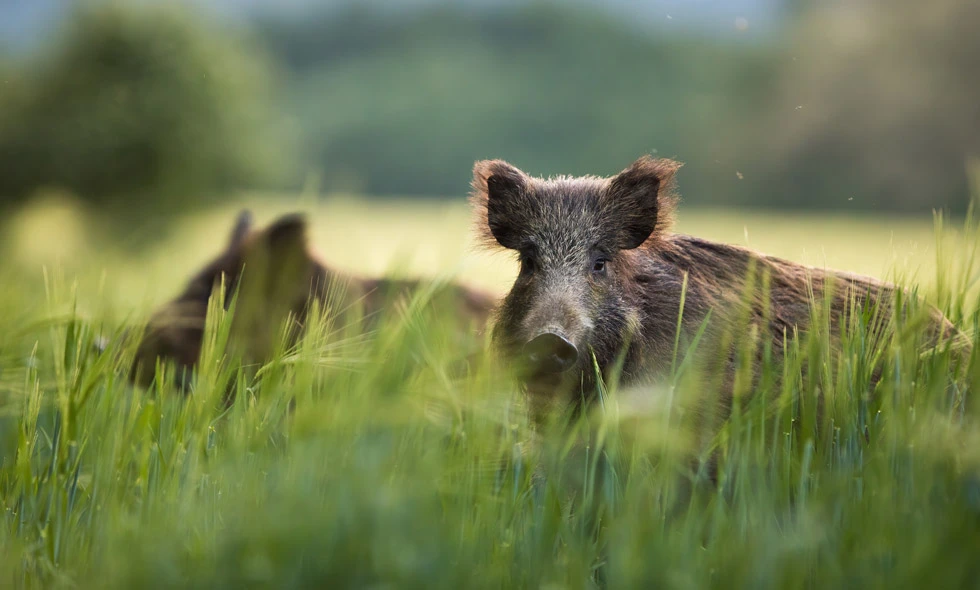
(644, 168)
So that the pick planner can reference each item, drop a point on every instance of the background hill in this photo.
(851, 106)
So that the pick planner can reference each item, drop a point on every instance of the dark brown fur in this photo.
(601, 267)
(281, 278)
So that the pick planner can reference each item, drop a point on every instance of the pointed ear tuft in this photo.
(499, 190)
(640, 201)
(243, 225)
(278, 249)
(277, 267)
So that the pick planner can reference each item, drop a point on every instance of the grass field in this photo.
(393, 471)
(427, 238)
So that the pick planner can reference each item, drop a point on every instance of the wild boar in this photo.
(281, 278)
(603, 276)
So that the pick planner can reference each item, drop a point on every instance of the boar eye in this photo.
(599, 266)
(527, 263)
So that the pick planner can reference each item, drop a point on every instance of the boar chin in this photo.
(551, 395)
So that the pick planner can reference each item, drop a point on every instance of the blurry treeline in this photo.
(134, 103)
(854, 105)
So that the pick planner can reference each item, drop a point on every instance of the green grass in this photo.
(397, 469)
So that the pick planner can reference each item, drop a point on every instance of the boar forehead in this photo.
(568, 222)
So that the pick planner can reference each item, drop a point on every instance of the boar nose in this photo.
(550, 353)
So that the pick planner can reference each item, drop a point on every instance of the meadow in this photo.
(394, 470)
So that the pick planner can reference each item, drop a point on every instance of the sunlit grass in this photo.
(387, 460)
(431, 237)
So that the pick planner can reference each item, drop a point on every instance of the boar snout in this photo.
(550, 353)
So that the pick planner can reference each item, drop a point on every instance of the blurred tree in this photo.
(404, 104)
(876, 105)
(870, 104)
(139, 105)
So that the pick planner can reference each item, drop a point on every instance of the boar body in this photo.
(276, 277)
(602, 278)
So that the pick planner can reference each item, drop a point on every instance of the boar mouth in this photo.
(541, 383)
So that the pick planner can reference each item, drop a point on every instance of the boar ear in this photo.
(498, 190)
(277, 249)
(277, 274)
(243, 225)
(640, 200)
(287, 234)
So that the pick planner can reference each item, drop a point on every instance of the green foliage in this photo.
(405, 104)
(845, 108)
(872, 105)
(138, 101)
(357, 460)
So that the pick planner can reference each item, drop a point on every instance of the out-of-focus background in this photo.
(130, 132)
